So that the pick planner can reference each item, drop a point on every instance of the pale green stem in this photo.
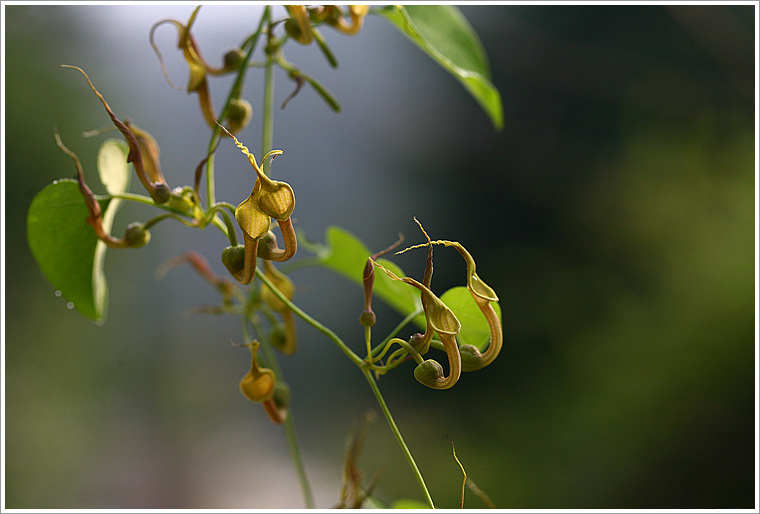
(308, 319)
(290, 435)
(397, 433)
(267, 129)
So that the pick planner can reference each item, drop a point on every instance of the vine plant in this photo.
(69, 226)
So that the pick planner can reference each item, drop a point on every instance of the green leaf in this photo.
(113, 167)
(65, 246)
(475, 329)
(444, 34)
(348, 256)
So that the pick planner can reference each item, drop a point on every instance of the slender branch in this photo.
(311, 321)
(267, 129)
(397, 433)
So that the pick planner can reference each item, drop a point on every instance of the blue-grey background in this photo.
(613, 215)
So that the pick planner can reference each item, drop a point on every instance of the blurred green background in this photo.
(614, 215)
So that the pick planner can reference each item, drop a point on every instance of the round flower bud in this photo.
(239, 115)
(429, 373)
(233, 59)
(367, 318)
(233, 258)
(160, 193)
(136, 235)
(472, 359)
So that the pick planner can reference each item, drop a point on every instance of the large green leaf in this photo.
(444, 34)
(65, 246)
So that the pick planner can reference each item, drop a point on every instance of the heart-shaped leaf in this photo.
(65, 246)
(475, 329)
(443, 33)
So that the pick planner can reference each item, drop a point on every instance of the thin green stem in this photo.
(267, 129)
(397, 433)
(311, 321)
(295, 455)
(404, 322)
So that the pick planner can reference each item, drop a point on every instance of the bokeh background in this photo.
(614, 215)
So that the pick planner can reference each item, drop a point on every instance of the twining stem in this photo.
(397, 433)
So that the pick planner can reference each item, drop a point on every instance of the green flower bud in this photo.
(429, 373)
(233, 59)
(239, 115)
(233, 258)
(367, 318)
(472, 359)
(182, 200)
(160, 193)
(136, 235)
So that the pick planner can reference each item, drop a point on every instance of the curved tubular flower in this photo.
(333, 15)
(483, 294)
(269, 249)
(268, 199)
(357, 14)
(240, 260)
(150, 153)
(442, 320)
(198, 67)
(158, 189)
(258, 385)
(300, 28)
(277, 406)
